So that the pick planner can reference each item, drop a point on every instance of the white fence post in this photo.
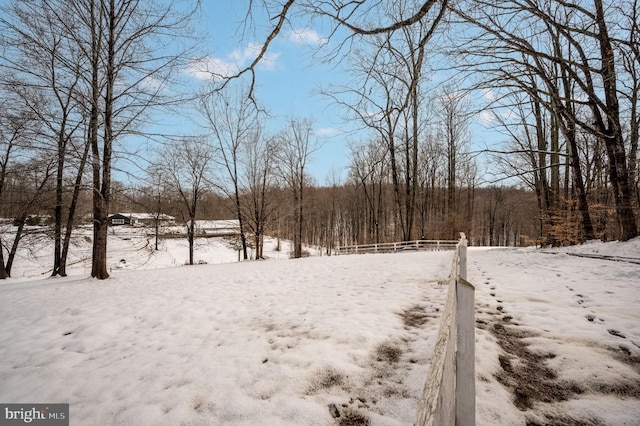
(462, 256)
(465, 351)
(465, 355)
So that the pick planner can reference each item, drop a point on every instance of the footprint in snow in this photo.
(616, 333)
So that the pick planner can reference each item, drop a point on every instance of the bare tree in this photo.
(295, 145)
(157, 191)
(43, 68)
(131, 49)
(35, 176)
(25, 169)
(431, 180)
(388, 86)
(258, 181)
(380, 107)
(187, 165)
(369, 169)
(19, 159)
(453, 113)
(234, 123)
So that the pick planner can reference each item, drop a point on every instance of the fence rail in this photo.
(448, 397)
(427, 245)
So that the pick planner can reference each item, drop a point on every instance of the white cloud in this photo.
(486, 117)
(244, 56)
(328, 131)
(307, 36)
(210, 68)
(379, 115)
(152, 83)
(492, 116)
(489, 95)
(218, 68)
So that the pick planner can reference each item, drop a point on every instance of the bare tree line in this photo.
(565, 83)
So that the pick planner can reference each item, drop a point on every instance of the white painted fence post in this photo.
(465, 354)
(462, 256)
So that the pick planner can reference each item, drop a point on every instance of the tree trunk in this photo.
(191, 230)
(297, 223)
(57, 229)
(100, 186)
(300, 218)
(157, 231)
(62, 266)
(583, 205)
(396, 185)
(256, 241)
(415, 147)
(243, 238)
(14, 247)
(612, 133)
(3, 271)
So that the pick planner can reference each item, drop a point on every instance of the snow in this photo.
(277, 342)
(575, 309)
(128, 248)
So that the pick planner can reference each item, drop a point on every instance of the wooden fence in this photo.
(427, 245)
(448, 397)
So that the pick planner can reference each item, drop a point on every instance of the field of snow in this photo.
(128, 248)
(321, 340)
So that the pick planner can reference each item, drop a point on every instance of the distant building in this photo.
(141, 219)
(218, 228)
(119, 219)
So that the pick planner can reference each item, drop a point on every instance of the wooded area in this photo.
(560, 81)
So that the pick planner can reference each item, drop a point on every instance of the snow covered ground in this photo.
(558, 336)
(297, 342)
(128, 248)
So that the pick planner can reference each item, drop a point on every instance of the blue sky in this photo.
(286, 80)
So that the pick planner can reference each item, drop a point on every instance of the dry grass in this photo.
(324, 379)
(388, 352)
(415, 316)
